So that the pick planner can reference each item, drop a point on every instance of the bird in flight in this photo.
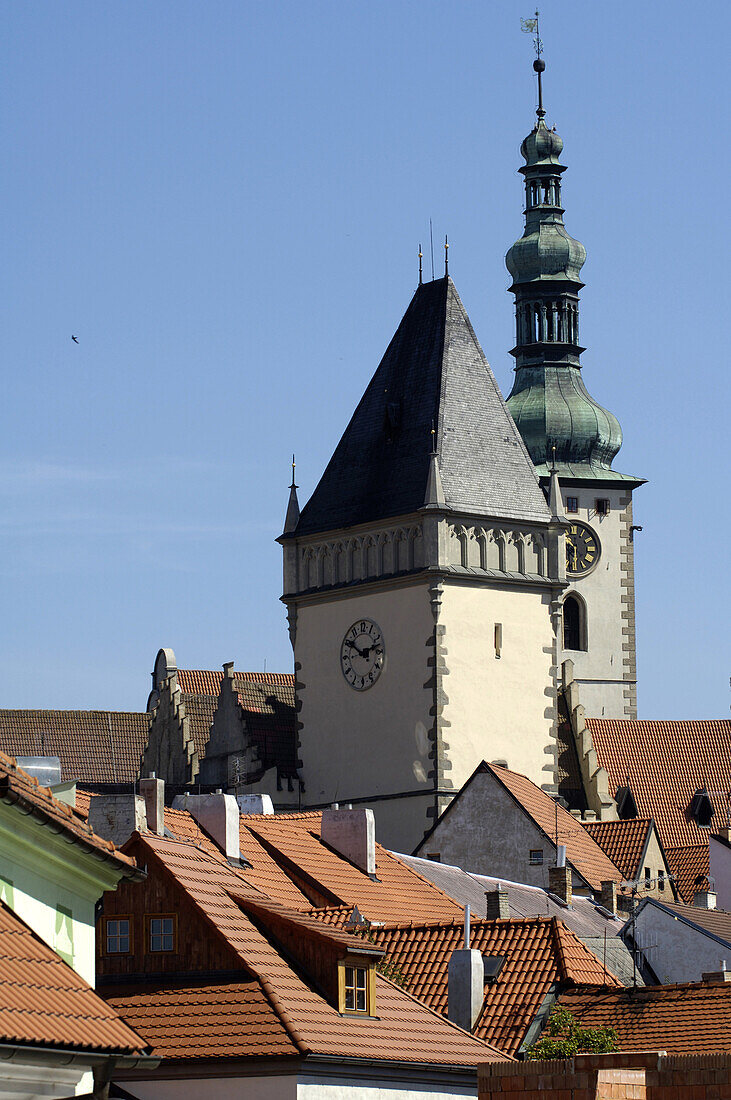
(75, 339)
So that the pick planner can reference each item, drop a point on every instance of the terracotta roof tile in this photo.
(19, 788)
(582, 851)
(44, 1002)
(199, 681)
(94, 746)
(689, 867)
(399, 893)
(680, 1019)
(402, 1029)
(204, 1020)
(623, 841)
(538, 952)
(666, 763)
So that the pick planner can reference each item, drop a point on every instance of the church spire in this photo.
(293, 507)
(549, 401)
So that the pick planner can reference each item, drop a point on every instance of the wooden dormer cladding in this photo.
(196, 946)
(321, 953)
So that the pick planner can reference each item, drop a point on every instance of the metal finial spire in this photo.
(433, 439)
(531, 26)
(420, 271)
(553, 459)
(446, 256)
(293, 486)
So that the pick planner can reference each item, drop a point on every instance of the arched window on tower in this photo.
(574, 623)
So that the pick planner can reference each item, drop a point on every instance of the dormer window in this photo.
(356, 988)
(701, 808)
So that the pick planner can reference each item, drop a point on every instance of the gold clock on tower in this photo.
(582, 549)
(362, 654)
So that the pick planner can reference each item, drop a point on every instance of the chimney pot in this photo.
(352, 833)
(561, 855)
(497, 904)
(153, 792)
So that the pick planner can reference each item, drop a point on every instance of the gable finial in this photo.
(293, 486)
(433, 439)
(553, 459)
(531, 26)
(420, 271)
(446, 256)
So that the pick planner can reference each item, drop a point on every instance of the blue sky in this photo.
(224, 200)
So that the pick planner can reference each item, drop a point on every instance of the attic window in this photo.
(161, 933)
(357, 989)
(535, 858)
(118, 935)
(626, 805)
(701, 808)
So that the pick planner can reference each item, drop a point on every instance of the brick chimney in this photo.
(218, 815)
(496, 904)
(153, 792)
(559, 877)
(608, 897)
(718, 977)
(352, 833)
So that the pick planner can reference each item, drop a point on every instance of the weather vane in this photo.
(530, 26)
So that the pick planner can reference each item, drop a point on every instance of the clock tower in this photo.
(566, 430)
(423, 582)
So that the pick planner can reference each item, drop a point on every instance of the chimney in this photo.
(153, 792)
(608, 897)
(718, 977)
(218, 815)
(496, 902)
(116, 816)
(589, 815)
(559, 881)
(466, 987)
(255, 803)
(704, 899)
(352, 833)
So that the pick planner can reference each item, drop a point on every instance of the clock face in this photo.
(362, 654)
(582, 549)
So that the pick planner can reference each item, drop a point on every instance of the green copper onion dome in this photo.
(555, 414)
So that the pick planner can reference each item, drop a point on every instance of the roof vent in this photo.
(46, 769)
(701, 808)
(492, 965)
(626, 805)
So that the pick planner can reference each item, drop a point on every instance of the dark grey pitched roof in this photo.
(434, 372)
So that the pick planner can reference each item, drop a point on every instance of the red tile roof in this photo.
(94, 746)
(399, 893)
(402, 1030)
(43, 1002)
(582, 851)
(199, 681)
(538, 952)
(688, 865)
(623, 841)
(19, 788)
(665, 763)
(680, 1019)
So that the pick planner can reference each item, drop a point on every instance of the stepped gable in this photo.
(693, 1018)
(280, 1011)
(434, 374)
(690, 867)
(623, 841)
(199, 690)
(538, 953)
(267, 704)
(45, 1003)
(665, 763)
(94, 746)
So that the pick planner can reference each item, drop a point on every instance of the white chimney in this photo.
(153, 792)
(704, 899)
(218, 815)
(255, 803)
(466, 987)
(352, 833)
(116, 816)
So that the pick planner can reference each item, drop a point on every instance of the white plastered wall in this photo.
(307, 1087)
(357, 744)
(500, 708)
(600, 668)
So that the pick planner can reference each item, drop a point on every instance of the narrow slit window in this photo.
(573, 627)
(648, 878)
(498, 639)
